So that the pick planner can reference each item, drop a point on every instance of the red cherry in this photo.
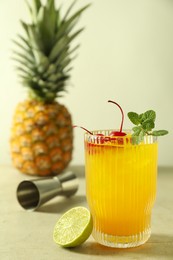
(116, 136)
(117, 133)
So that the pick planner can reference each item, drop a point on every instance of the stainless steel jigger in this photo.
(31, 194)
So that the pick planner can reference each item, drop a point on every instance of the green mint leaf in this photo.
(159, 132)
(144, 124)
(136, 130)
(148, 124)
(138, 135)
(141, 135)
(149, 115)
(134, 118)
(140, 118)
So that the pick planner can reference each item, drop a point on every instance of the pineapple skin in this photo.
(41, 138)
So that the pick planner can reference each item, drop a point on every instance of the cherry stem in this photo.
(122, 121)
(83, 129)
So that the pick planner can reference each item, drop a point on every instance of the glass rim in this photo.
(107, 131)
(103, 137)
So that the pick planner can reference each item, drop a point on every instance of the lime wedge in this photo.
(73, 228)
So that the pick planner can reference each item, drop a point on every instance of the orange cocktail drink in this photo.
(121, 175)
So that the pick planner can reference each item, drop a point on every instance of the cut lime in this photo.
(73, 228)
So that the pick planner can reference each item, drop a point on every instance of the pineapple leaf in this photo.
(69, 10)
(40, 16)
(58, 20)
(51, 18)
(65, 63)
(65, 54)
(75, 34)
(74, 49)
(27, 51)
(47, 26)
(25, 72)
(54, 86)
(25, 27)
(42, 67)
(74, 16)
(42, 61)
(54, 77)
(62, 55)
(66, 30)
(51, 4)
(57, 77)
(67, 25)
(51, 69)
(24, 57)
(35, 38)
(29, 7)
(61, 45)
(24, 78)
(68, 70)
(58, 48)
(25, 42)
(59, 87)
(36, 5)
(26, 65)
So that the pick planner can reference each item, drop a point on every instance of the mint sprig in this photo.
(144, 124)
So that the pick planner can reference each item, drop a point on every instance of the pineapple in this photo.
(41, 135)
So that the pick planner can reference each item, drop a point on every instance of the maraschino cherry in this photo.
(113, 133)
(120, 132)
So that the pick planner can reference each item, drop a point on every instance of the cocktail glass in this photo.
(121, 175)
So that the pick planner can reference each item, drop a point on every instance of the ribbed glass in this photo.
(121, 174)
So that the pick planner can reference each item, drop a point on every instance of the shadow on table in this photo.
(61, 204)
(159, 245)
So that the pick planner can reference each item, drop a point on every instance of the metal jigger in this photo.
(31, 194)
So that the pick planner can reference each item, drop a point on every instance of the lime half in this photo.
(73, 228)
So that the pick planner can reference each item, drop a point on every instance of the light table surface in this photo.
(28, 235)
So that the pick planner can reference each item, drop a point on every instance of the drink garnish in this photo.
(113, 133)
(120, 132)
(73, 228)
(144, 124)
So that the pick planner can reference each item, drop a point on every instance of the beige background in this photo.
(126, 55)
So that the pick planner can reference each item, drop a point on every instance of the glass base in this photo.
(121, 241)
